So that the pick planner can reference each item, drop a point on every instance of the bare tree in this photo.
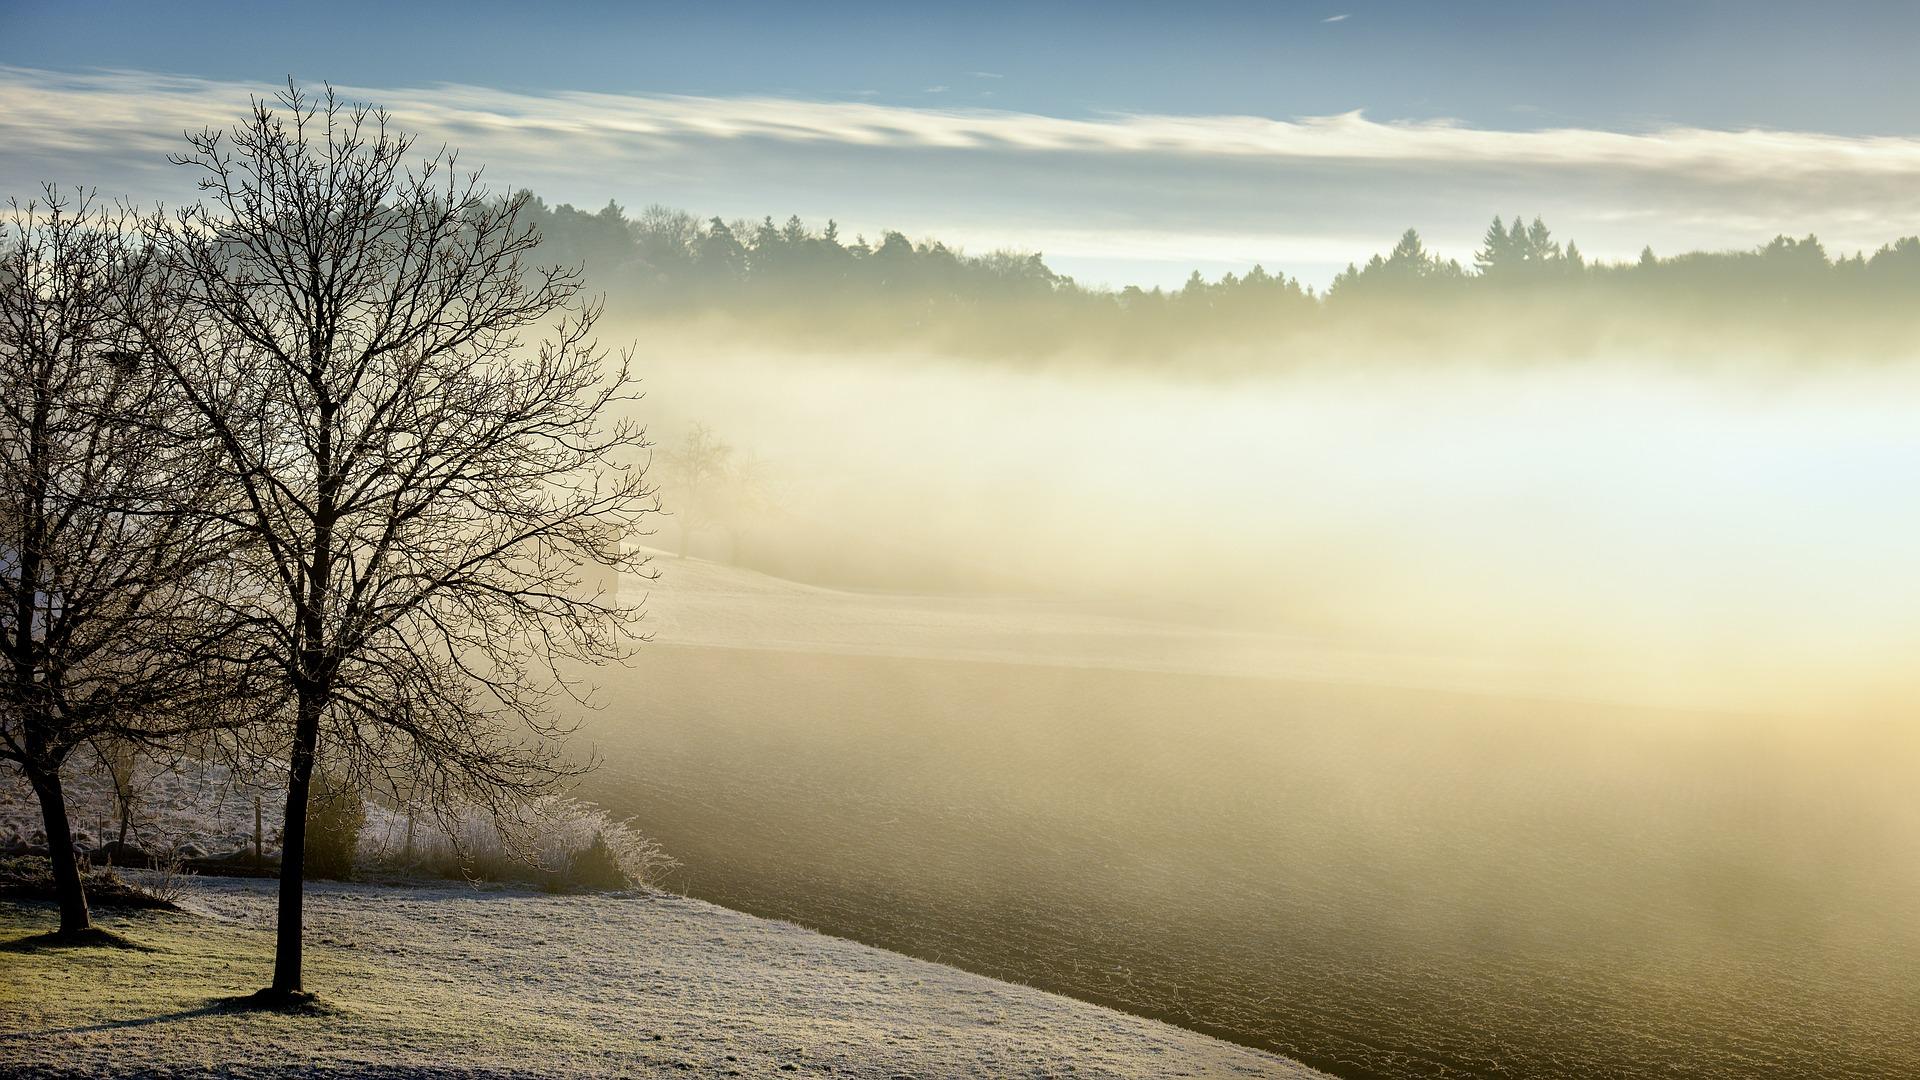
(423, 489)
(104, 557)
(713, 485)
(121, 765)
(699, 465)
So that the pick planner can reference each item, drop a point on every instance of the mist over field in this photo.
(1660, 529)
(1431, 717)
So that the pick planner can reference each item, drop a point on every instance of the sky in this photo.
(1130, 143)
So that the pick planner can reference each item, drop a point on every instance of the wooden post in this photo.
(259, 856)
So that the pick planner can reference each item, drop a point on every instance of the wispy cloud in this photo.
(1337, 18)
(986, 74)
(973, 172)
(938, 89)
(49, 111)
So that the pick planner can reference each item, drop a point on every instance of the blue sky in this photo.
(1843, 68)
(1120, 211)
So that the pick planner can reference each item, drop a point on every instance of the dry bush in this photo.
(168, 882)
(553, 842)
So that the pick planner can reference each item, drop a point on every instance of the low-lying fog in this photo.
(1433, 721)
(1682, 531)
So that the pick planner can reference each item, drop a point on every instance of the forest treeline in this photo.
(1524, 292)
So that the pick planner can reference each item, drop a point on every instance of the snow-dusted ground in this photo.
(444, 980)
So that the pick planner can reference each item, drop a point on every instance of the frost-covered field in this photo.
(456, 981)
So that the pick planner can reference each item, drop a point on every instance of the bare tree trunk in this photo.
(74, 916)
(120, 767)
(293, 848)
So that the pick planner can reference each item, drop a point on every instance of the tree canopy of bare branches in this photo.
(106, 564)
(420, 486)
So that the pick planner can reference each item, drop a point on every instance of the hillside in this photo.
(455, 981)
(696, 602)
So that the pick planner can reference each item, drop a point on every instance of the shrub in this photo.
(167, 883)
(554, 843)
(596, 867)
(335, 816)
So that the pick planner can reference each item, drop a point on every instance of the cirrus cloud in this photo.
(1285, 190)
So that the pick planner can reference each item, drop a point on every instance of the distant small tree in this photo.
(1496, 249)
(1408, 272)
(1410, 259)
(1541, 246)
(719, 256)
(422, 487)
(120, 763)
(1521, 251)
(698, 467)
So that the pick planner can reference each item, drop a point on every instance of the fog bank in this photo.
(1736, 540)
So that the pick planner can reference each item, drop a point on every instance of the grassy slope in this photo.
(452, 980)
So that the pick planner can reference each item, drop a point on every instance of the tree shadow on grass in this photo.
(295, 1005)
(212, 1008)
(93, 937)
